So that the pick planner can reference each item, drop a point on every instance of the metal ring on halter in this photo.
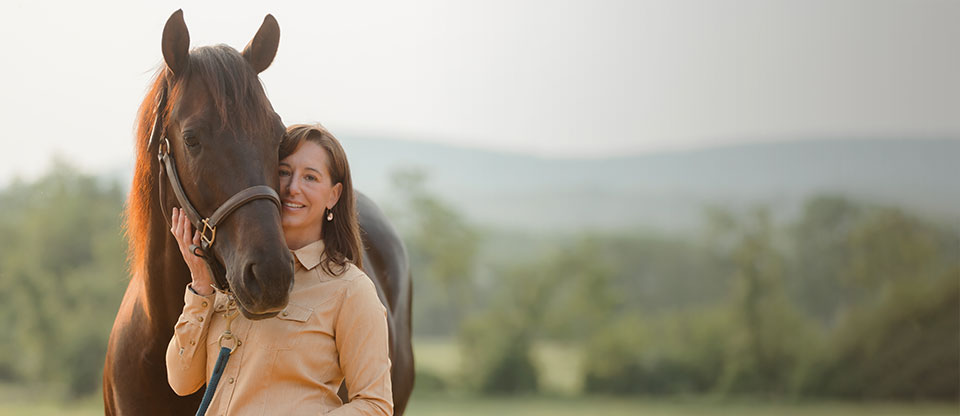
(163, 148)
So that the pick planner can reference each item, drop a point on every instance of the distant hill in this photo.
(668, 190)
(661, 191)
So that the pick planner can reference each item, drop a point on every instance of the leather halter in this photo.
(207, 226)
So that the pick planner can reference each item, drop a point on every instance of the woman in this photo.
(333, 329)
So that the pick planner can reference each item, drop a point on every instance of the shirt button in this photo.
(200, 318)
(230, 380)
(204, 304)
(285, 313)
(192, 342)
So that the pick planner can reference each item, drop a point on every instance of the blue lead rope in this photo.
(214, 380)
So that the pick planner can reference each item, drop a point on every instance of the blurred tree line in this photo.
(847, 300)
(62, 274)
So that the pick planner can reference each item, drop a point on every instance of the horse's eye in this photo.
(190, 139)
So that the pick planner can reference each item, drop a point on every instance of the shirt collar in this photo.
(309, 255)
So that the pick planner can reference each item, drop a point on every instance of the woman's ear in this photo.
(335, 197)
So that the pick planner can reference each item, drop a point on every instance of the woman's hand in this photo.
(199, 272)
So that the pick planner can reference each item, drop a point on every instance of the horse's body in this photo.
(135, 380)
(385, 261)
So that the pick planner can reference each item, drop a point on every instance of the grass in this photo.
(537, 406)
(560, 367)
(542, 406)
(48, 409)
(19, 400)
(15, 401)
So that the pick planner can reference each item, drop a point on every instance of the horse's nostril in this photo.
(251, 282)
(267, 286)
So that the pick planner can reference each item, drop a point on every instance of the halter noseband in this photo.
(207, 226)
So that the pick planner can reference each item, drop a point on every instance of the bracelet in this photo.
(190, 286)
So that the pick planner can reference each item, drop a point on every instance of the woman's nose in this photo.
(291, 187)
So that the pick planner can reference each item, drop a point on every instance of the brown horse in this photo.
(225, 137)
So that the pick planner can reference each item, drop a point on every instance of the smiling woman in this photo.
(332, 331)
(316, 188)
(309, 192)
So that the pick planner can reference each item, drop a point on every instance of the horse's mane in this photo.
(236, 95)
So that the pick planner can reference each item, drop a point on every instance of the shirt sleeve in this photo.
(363, 343)
(187, 350)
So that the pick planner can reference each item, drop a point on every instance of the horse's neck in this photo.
(166, 274)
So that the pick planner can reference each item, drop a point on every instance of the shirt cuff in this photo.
(191, 328)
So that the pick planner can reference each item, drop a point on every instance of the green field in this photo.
(559, 367)
(559, 379)
(537, 406)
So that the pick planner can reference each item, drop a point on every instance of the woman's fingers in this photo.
(182, 229)
(174, 222)
(177, 224)
(185, 227)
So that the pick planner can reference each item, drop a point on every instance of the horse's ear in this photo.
(176, 43)
(263, 47)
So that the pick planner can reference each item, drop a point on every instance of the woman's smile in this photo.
(293, 205)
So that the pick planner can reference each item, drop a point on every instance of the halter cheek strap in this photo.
(207, 226)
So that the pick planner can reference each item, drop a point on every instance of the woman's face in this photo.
(306, 191)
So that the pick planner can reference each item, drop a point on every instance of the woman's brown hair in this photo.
(341, 237)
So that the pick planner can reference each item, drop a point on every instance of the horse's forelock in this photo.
(233, 88)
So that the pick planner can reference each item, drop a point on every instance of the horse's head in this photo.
(224, 135)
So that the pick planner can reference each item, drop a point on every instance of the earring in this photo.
(330, 216)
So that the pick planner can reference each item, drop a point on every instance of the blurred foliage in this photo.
(905, 345)
(443, 250)
(429, 382)
(768, 336)
(892, 333)
(62, 269)
(845, 300)
(676, 353)
(496, 351)
(756, 306)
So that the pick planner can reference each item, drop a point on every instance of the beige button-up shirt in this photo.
(333, 329)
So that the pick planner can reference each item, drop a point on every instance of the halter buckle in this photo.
(208, 241)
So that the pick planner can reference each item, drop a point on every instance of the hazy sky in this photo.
(554, 78)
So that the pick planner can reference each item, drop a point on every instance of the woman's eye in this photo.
(284, 172)
(311, 178)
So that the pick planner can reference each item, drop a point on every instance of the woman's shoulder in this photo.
(354, 275)
(349, 283)
(348, 275)
(361, 293)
